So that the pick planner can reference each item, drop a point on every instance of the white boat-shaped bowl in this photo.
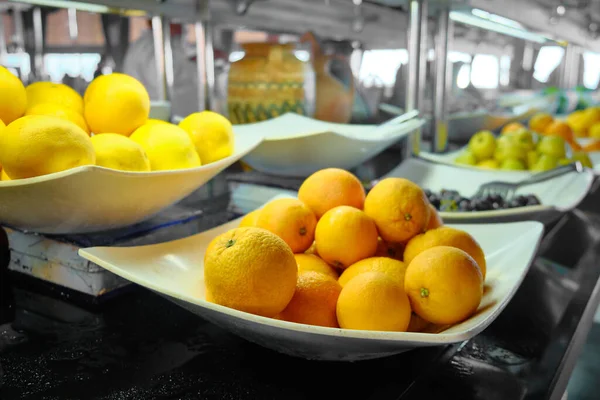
(92, 198)
(557, 195)
(297, 146)
(175, 271)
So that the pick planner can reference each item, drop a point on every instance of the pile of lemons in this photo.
(48, 127)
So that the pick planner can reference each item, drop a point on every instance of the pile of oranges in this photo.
(337, 257)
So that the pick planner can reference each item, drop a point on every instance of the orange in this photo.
(445, 236)
(392, 268)
(250, 218)
(435, 221)
(540, 121)
(329, 188)
(417, 324)
(444, 285)
(312, 249)
(391, 250)
(399, 207)
(315, 300)
(251, 270)
(592, 146)
(345, 235)
(513, 126)
(291, 220)
(310, 262)
(373, 301)
(559, 128)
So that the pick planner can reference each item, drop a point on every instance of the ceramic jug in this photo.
(334, 101)
(267, 82)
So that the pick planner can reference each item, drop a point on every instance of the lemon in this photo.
(4, 176)
(2, 124)
(13, 99)
(156, 121)
(116, 103)
(56, 110)
(211, 133)
(167, 146)
(38, 145)
(56, 93)
(119, 152)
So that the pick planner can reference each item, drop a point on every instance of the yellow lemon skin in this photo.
(120, 152)
(116, 103)
(211, 133)
(2, 125)
(55, 93)
(168, 147)
(4, 176)
(13, 98)
(37, 145)
(56, 110)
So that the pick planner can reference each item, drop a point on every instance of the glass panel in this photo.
(485, 71)
(547, 60)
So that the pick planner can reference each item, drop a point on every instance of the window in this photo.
(485, 71)
(591, 70)
(58, 65)
(18, 63)
(382, 65)
(464, 76)
(547, 60)
(505, 70)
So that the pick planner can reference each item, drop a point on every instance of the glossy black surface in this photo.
(140, 346)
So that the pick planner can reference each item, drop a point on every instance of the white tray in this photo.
(557, 195)
(92, 198)
(175, 271)
(297, 146)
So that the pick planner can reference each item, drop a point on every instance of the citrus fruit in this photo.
(312, 249)
(329, 188)
(120, 152)
(592, 146)
(2, 124)
(310, 262)
(345, 235)
(58, 94)
(314, 301)
(4, 176)
(156, 121)
(391, 250)
(482, 145)
(444, 285)
(417, 324)
(435, 221)
(394, 269)
(56, 110)
(116, 103)
(13, 100)
(445, 236)
(291, 220)
(399, 208)
(540, 121)
(512, 126)
(167, 146)
(594, 131)
(560, 128)
(250, 219)
(38, 145)
(250, 269)
(211, 133)
(373, 301)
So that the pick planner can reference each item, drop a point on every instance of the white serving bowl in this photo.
(557, 195)
(175, 270)
(92, 198)
(297, 146)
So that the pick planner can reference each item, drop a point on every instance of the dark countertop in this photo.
(141, 346)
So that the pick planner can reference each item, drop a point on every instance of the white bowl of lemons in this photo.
(57, 178)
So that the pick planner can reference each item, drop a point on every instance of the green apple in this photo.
(532, 158)
(512, 164)
(583, 158)
(552, 146)
(466, 158)
(507, 147)
(565, 161)
(488, 164)
(482, 145)
(545, 163)
(524, 138)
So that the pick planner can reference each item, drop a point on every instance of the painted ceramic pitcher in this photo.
(267, 82)
(334, 100)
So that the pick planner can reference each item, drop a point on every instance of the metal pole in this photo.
(424, 53)
(205, 57)
(38, 43)
(159, 57)
(412, 79)
(442, 82)
(168, 57)
(3, 49)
